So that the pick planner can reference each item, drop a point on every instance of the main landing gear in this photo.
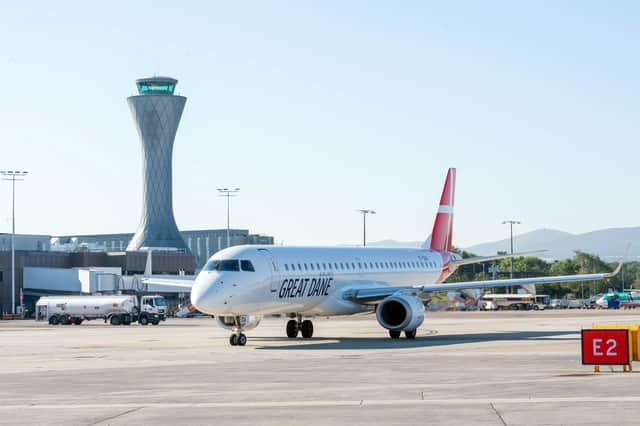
(298, 326)
(409, 334)
(238, 338)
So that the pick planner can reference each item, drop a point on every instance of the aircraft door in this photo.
(273, 269)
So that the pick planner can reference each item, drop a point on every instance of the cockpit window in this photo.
(246, 265)
(222, 265)
(211, 265)
(229, 265)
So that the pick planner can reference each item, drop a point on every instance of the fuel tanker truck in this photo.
(116, 309)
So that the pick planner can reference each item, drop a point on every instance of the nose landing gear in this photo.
(238, 338)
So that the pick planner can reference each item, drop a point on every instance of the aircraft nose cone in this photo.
(198, 295)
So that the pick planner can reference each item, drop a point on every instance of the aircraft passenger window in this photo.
(299, 267)
(305, 267)
(359, 265)
(311, 265)
(293, 267)
(246, 265)
(347, 265)
(353, 265)
(286, 267)
(229, 265)
(365, 265)
(318, 266)
(371, 265)
(324, 266)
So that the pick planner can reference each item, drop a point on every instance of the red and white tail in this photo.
(442, 233)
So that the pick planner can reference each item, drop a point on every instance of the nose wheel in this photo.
(304, 327)
(238, 338)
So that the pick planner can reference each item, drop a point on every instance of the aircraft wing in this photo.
(375, 294)
(169, 281)
(183, 281)
(471, 260)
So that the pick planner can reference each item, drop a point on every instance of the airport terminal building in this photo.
(201, 243)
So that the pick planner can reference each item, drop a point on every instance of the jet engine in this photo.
(247, 322)
(400, 312)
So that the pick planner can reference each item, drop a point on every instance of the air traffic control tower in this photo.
(156, 112)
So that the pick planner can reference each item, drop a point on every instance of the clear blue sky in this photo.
(316, 109)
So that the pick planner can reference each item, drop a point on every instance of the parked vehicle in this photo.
(555, 304)
(495, 302)
(570, 302)
(117, 309)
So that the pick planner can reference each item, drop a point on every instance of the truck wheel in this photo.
(53, 320)
(64, 320)
(143, 320)
(155, 322)
(77, 321)
(115, 320)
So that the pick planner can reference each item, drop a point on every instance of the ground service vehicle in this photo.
(627, 299)
(116, 309)
(495, 302)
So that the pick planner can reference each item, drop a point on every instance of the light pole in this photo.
(13, 176)
(226, 192)
(511, 223)
(365, 212)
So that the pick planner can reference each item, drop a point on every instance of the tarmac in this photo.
(464, 368)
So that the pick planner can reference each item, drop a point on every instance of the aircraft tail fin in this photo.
(442, 234)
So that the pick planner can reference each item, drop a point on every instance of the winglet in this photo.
(148, 270)
(620, 263)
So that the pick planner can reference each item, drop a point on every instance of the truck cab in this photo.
(153, 309)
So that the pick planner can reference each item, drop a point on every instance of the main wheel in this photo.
(241, 340)
(53, 320)
(292, 329)
(233, 339)
(410, 334)
(394, 334)
(115, 320)
(143, 320)
(307, 329)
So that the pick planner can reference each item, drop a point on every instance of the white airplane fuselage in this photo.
(308, 281)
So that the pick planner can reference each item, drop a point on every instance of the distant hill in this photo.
(609, 244)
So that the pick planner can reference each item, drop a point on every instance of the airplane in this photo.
(241, 284)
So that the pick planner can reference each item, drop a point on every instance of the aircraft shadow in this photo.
(432, 340)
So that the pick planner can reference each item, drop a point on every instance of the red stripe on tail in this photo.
(442, 233)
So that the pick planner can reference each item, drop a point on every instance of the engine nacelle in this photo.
(400, 312)
(247, 322)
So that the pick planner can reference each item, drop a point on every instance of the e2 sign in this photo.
(605, 347)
